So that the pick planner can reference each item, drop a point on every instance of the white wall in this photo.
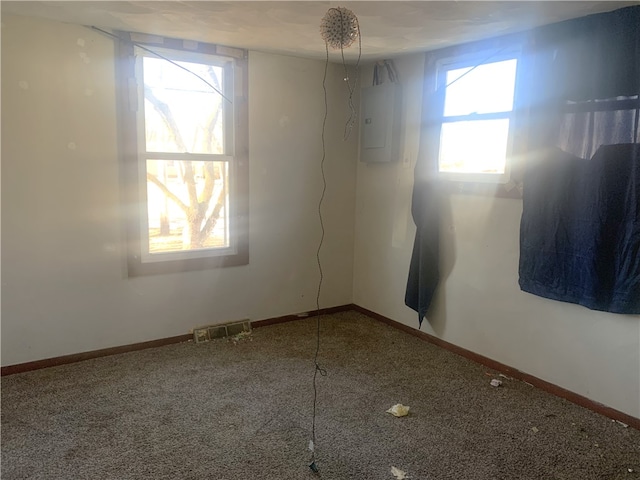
(479, 305)
(64, 283)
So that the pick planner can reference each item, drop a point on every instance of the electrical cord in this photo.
(352, 117)
(389, 67)
(484, 61)
(317, 368)
(162, 57)
(348, 127)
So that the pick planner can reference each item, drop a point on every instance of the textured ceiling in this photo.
(388, 28)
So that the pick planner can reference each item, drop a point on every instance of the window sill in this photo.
(510, 189)
(136, 268)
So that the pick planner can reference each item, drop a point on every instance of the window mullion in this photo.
(477, 116)
(192, 157)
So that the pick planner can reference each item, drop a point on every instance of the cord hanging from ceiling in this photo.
(339, 29)
(390, 69)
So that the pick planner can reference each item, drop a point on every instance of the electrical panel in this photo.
(380, 108)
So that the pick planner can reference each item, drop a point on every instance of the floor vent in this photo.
(204, 334)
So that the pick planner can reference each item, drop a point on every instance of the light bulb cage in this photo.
(339, 28)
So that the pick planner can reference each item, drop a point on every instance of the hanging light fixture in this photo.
(339, 28)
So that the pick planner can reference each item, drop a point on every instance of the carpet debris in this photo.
(311, 446)
(622, 423)
(535, 429)
(399, 474)
(241, 337)
(495, 382)
(399, 410)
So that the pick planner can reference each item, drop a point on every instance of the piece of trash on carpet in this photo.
(241, 337)
(399, 474)
(399, 410)
(622, 423)
(495, 382)
(535, 429)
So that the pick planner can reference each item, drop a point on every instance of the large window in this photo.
(184, 140)
(476, 127)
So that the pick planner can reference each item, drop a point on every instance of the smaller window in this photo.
(477, 117)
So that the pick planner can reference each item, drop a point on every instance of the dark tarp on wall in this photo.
(423, 270)
(424, 273)
(597, 56)
(580, 227)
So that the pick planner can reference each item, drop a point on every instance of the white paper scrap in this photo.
(399, 410)
(399, 474)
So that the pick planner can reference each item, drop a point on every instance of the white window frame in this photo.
(443, 65)
(144, 155)
(131, 103)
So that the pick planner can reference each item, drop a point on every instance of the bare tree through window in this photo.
(186, 200)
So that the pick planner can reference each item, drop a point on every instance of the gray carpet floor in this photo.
(229, 410)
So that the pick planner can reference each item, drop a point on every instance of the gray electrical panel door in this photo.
(379, 123)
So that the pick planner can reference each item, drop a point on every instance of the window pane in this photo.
(182, 113)
(583, 133)
(187, 205)
(474, 147)
(488, 88)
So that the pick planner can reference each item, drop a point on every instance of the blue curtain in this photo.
(424, 272)
(580, 228)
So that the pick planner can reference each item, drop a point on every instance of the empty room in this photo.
(303, 239)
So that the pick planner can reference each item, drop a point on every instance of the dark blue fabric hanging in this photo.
(597, 56)
(580, 227)
(424, 273)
